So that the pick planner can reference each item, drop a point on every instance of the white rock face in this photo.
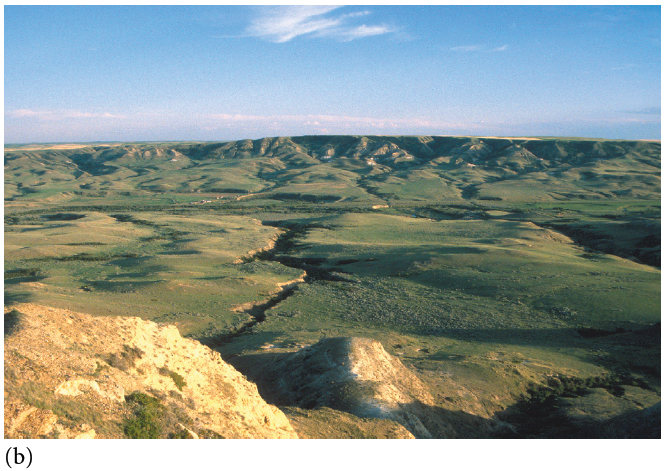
(350, 374)
(79, 386)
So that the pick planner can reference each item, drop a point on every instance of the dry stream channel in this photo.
(312, 271)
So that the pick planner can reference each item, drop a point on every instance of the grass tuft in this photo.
(177, 379)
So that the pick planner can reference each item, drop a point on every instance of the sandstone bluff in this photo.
(79, 370)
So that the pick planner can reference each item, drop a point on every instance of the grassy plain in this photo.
(163, 267)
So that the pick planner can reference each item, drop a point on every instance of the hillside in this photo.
(334, 168)
(502, 287)
(68, 373)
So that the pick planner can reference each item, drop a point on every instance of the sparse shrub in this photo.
(125, 359)
(12, 319)
(95, 257)
(21, 273)
(148, 412)
(35, 394)
(540, 399)
(99, 368)
(143, 400)
(180, 434)
(210, 434)
(87, 243)
(177, 379)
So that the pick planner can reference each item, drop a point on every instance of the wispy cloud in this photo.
(475, 47)
(59, 114)
(332, 123)
(55, 121)
(281, 24)
(625, 67)
(479, 48)
(650, 110)
(24, 113)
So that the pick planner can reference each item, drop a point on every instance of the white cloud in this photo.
(283, 23)
(479, 48)
(337, 123)
(236, 117)
(362, 31)
(475, 47)
(24, 113)
(55, 115)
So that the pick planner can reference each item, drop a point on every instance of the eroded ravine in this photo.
(277, 251)
(257, 311)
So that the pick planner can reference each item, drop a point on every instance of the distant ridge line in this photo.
(79, 145)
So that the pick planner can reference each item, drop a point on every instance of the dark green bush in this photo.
(142, 427)
(180, 434)
(148, 413)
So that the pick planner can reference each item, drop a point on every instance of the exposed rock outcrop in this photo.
(349, 374)
(71, 375)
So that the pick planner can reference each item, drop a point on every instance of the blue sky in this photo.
(122, 73)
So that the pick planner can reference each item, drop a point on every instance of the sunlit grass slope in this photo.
(155, 266)
(497, 261)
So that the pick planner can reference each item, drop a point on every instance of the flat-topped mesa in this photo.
(326, 146)
(97, 369)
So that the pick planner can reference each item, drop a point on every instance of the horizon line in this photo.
(194, 141)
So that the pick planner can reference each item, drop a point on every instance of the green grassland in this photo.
(162, 267)
(485, 260)
(459, 293)
(497, 260)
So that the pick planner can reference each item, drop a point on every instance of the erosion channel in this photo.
(285, 244)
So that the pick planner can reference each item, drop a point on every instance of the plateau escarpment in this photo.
(350, 168)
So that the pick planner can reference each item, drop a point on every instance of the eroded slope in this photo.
(68, 374)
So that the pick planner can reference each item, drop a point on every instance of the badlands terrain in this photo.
(333, 287)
